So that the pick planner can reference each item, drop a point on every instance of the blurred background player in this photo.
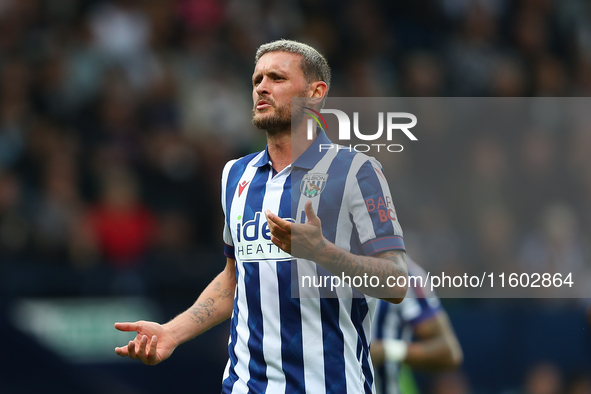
(416, 333)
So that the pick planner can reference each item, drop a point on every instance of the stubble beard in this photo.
(278, 123)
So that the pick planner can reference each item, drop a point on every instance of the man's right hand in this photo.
(151, 345)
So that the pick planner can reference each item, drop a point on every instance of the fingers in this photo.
(152, 353)
(122, 351)
(141, 350)
(312, 217)
(131, 350)
(136, 349)
(280, 230)
(276, 223)
(127, 326)
(277, 242)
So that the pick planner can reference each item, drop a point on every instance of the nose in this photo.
(263, 87)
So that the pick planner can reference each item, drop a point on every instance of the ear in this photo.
(318, 90)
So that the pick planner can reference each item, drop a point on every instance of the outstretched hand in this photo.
(304, 240)
(151, 345)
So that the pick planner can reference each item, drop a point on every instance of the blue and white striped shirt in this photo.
(315, 345)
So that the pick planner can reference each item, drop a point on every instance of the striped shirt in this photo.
(285, 344)
(397, 321)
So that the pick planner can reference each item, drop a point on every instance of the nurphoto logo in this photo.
(392, 120)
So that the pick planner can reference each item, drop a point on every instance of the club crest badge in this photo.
(313, 184)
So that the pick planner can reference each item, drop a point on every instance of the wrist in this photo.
(395, 350)
(324, 252)
(175, 331)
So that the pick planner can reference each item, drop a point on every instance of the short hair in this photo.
(313, 64)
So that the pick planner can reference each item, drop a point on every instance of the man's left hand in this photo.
(304, 240)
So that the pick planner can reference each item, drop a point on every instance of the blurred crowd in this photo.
(116, 118)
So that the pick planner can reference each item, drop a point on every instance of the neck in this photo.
(286, 146)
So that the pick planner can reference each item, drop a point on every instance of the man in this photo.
(420, 315)
(280, 343)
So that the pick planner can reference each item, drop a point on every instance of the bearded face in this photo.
(278, 77)
(276, 118)
(273, 118)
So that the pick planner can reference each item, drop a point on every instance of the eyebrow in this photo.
(272, 73)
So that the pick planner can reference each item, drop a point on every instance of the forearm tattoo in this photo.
(320, 246)
(364, 265)
(226, 293)
(204, 310)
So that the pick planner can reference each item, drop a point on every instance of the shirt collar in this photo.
(264, 160)
(308, 159)
(312, 155)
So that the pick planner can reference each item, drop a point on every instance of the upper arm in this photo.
(439, 327)
(225, 284)
(432, 327)
(435, 346)
(227, 235)
(229, 273)
(230, 269)
(372, 209)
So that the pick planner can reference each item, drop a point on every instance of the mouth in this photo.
(262, 104)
